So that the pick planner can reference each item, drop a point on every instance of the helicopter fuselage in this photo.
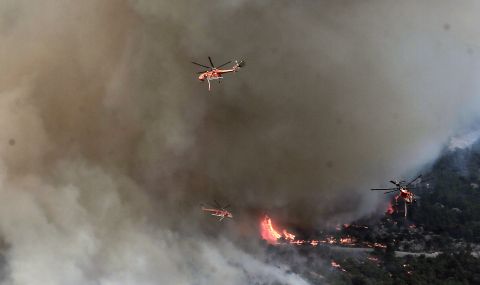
(214, 74)
(218, 212)
(407, 196)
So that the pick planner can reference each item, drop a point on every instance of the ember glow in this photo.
(338, 266)
(390, 209)
(347, 240)
(330, 240)
(379, 245)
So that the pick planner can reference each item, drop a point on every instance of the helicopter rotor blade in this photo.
(201, 65)
(415, 179)
(394, 182)
(383, 189)
(217, 204)
(241, 63)
(222, 65)
(226, 207)
(391, 191)
(211, 62)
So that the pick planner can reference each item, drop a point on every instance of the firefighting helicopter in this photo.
(218, 211)
(404, 191)
(214, 72)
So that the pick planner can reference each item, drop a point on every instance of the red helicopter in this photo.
(218, 211)
(214, 73)
(404, 191)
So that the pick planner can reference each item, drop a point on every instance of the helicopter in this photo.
(218, 211)
(404, 191)
(214, 72)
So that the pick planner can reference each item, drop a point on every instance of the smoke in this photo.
(108, 143)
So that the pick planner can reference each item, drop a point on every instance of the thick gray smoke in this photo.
(108, 144)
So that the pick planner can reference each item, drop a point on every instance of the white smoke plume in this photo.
(108, 144)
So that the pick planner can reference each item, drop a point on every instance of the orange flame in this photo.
(347, 240)
(268, 232)
(297, 242)
(288, 236)
(274, 236)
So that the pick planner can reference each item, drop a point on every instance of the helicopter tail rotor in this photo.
(394, 182)
(238, 64)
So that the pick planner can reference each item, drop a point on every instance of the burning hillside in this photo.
(275, 235)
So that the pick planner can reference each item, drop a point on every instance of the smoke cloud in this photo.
(109, 144)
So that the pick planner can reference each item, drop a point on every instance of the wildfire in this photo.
(347, 240)
(275, 237)
(268, 232)
(288, 236)
(297, 242)
(330, 240)
(271, 235)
